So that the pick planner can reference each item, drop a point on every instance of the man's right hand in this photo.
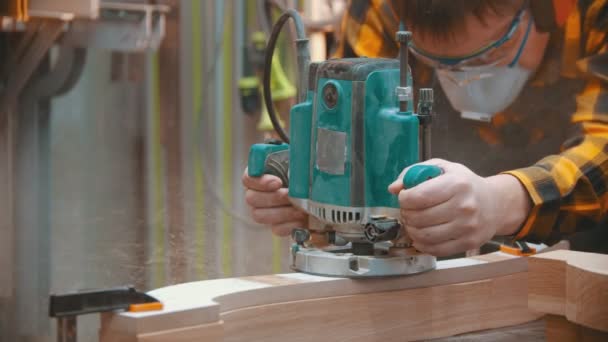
(270, 204)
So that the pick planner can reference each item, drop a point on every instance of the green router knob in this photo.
(420, 173)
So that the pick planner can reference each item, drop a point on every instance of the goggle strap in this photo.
(522, 45)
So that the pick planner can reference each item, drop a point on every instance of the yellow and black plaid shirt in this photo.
(567, 188)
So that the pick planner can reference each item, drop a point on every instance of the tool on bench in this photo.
(352, 133)
(67, 307)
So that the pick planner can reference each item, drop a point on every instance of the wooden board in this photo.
(211, 332)
(461, 296)
(570, 284)
(410, 314)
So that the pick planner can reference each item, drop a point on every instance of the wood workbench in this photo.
(476, 294)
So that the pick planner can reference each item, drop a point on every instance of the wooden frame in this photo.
(462, 295)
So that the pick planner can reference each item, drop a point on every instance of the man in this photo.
(509, 100)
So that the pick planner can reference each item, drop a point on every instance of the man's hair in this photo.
(442, 19)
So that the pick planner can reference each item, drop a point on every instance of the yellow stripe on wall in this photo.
(227, 242)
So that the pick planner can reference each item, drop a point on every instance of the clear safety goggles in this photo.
(492, 54)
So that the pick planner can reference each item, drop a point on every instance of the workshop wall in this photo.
(133, 176)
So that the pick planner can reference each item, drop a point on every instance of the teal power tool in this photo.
(351, 135)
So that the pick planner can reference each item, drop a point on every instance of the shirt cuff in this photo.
(542, 215)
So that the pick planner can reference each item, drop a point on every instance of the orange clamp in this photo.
(154, 306)
(517, 251)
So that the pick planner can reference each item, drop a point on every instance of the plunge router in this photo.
(351, 135)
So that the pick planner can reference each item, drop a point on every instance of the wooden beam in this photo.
(462, 295)
(571, 284)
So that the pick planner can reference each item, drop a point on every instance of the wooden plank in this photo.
(547, 287)
(587, 290)
(403, 315)
(211, 332)
(109, 335)
(241, 300)
(571, 284)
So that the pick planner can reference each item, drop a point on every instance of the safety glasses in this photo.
(492, 54)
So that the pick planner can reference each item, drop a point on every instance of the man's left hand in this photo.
(459, 210)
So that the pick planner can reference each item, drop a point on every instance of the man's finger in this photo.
(262, 199)
(428, 194)
(433, 235)
(277, 215)
(432, 216)
(397, 185)
(265, 183)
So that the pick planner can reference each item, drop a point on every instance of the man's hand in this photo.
(459, 210)
(270, 204)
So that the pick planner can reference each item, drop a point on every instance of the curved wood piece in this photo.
(571, 284)
(462, 295)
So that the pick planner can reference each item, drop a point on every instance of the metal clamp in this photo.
(67, 307)
(404, 93)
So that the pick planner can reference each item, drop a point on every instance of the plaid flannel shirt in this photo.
(568, 190)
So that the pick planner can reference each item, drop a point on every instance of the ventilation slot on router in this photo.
(336, 216)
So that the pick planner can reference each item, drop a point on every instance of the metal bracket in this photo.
(404, 94)
(124, 27)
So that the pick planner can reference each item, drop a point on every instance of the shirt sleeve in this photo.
(569, 190)
(365, 30)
